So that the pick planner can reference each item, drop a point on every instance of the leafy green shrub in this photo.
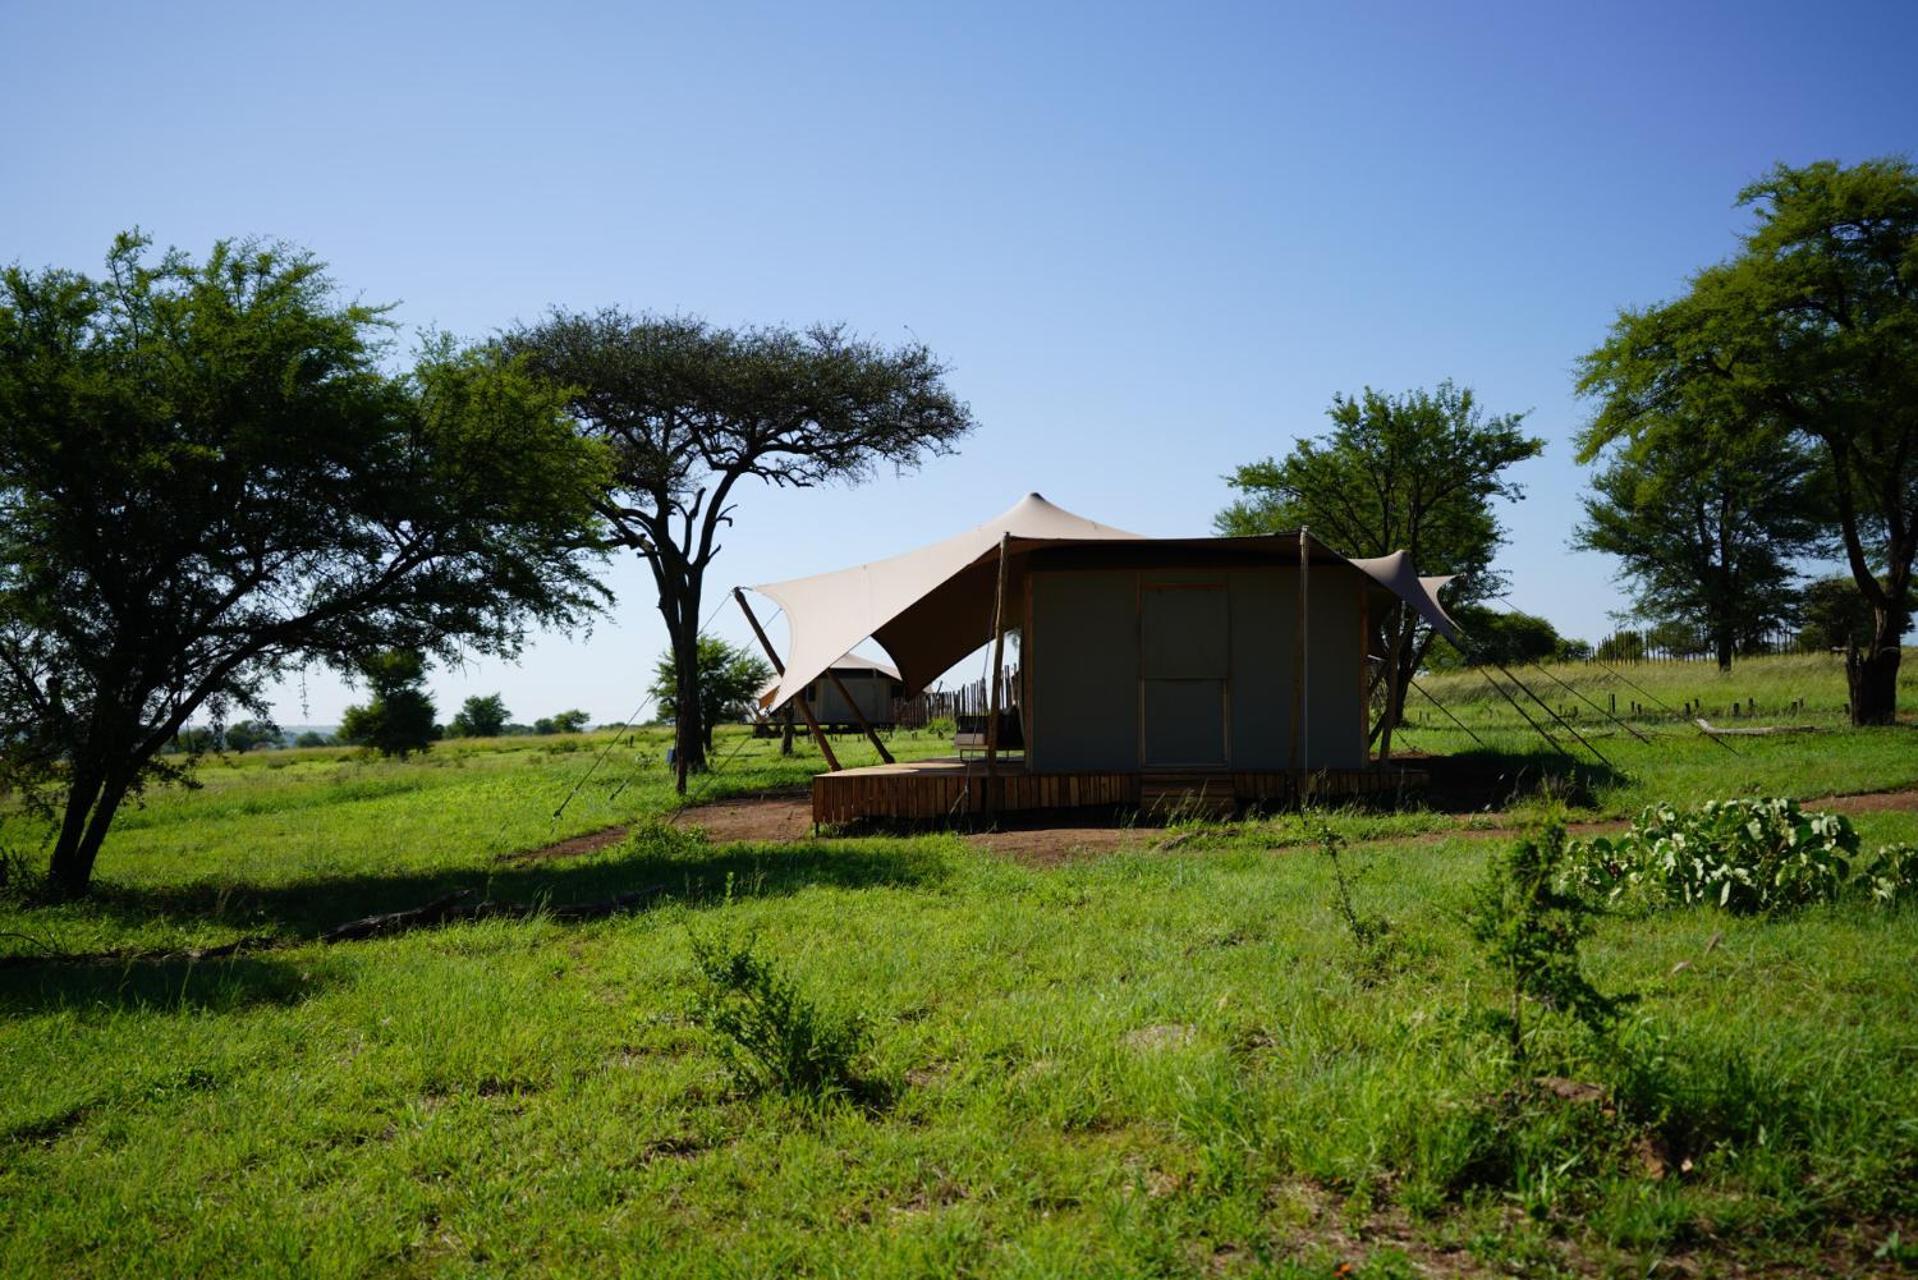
(1746, 856)
(770, 1034)
(1890, 875)
(1529, 918)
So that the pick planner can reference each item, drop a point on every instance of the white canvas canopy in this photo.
(917, 605)
(931, 607)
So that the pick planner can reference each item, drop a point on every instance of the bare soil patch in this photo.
(591, 842)
(777, 817)
(786, 818)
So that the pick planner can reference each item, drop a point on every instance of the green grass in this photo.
(1788, 689)
(1622, 774)
(1164, 1062)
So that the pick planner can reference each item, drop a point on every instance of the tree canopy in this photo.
(207, 479)
(691, 409)
(1707, 523)
(480, 716)
(574, 721)
(1504, 637)
(730, 679)
(1811, 332)
(1417, 472)
(398, 720)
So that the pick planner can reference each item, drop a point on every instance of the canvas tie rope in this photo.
(1646, 692)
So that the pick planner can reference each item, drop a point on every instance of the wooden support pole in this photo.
(871, 735)
(1305, 641)
(779, 668)
(1298, 665)
(998, 661)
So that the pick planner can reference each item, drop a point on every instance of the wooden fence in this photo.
(1667, 644)
(967, 703)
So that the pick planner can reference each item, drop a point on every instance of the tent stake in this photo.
(779, 668)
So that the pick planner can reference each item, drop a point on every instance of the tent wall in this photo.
(871, 690)
(1164, 667)
(1080, 656)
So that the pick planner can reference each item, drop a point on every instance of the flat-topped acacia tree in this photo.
(691, 409)
(207, 480)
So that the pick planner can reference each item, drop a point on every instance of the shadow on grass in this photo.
(1474, 781)
(212, 986)
(676, 869)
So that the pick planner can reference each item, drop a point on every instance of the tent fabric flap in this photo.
(900, 602)
(1396, 574)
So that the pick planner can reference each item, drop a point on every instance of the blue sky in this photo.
(1152, 240)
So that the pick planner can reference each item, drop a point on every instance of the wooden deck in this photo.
(930, 790)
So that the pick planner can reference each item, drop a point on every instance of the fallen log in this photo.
(434, 912)
(1756, 731)
(457, 906)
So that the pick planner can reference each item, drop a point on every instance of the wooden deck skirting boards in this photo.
(938, 789)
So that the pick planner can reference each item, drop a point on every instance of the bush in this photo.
(1529, 918)
(770, 1034)
(399, 719)
(1746, 856)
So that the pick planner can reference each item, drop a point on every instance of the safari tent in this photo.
(853, 689)
(1234, 669)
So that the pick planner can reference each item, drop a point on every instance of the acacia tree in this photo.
(1414, 472)
(480, 716)
(398, 720)
(690, 410)
(1810, 331)
(207, 480)
(730, 679)
(1706, 523)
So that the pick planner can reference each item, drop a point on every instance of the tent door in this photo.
(1185, 659)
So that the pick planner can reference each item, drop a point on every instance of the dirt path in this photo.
(786, 818)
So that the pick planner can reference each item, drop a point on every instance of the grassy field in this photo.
(1171, 1061)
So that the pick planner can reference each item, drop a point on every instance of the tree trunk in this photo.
(67, 877)
(1872, 673)
(689, 734)
(786, 734)
(1725, 650)
(92, 802)
(1396, 680)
